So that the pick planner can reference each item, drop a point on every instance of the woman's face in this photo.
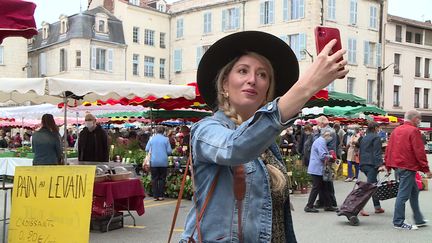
(247, 85)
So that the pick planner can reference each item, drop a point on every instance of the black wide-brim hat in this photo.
(280, 55)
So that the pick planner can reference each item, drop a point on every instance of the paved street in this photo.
(323, 227)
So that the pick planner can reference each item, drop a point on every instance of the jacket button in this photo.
(270, 107)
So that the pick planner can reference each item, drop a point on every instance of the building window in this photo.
(44, 33)
(293, 9)
(178, 60)
(101, 26)
(297, 42)
(398, 37)
(134, 2)
(162, 68)
(207, 23)
(63, 24)
(267, 12)
(352, 51)
(350, 85)
(179, 28)
(427, 68)
(426, 98)
(78, 59)
(161, 7)
(135, 64)
(1, 55)
(417, 98)
(230, 19)
(396, 69)
(162, 40)
(63, 60)
(135, 34)
(331, 86)
(148, 66)
(408, 37)
(396, 96)
(149, 37)
(372, 54)
(370, 90)
(42, 64)
(373, 17)
(353, 12)
(102, 59)
(418, 38)
(200, 52)
(331, 12)
(417, 66)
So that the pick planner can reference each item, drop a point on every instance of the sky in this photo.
(50, 10)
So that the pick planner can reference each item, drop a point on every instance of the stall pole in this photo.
(65, 143)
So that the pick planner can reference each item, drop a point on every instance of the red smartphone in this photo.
(324, 35)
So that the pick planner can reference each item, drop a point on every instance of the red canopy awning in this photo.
(16, 19)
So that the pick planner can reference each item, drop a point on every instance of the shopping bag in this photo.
(387, 190)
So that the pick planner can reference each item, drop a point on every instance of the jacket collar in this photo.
(220, 116)
(409, 123)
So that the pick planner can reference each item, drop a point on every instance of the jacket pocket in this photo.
(250, 167)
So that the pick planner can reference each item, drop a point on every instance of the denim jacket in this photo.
(218, 145)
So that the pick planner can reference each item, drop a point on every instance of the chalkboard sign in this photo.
(51, 204)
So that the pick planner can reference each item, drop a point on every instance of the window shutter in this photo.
(180, 59)
(42, 64)
(378, 55)
(262, 4)
(271, 11)
(198, 55)
(354, 52)
(302, 45)
(285, 10)
(366, 53)
(93, 58)
(224, 19)
(65, 60)
(110, 60)
(301, 9)
(237, 18)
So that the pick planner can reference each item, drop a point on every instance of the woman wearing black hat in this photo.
(241, 193)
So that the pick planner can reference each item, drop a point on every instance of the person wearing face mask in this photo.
(93, 142)
(405, 154)
(319, 154)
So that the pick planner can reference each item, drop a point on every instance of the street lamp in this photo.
(304, 51)
(380, 93)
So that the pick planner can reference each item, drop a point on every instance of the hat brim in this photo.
(280, 55)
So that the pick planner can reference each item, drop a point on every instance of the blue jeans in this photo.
(407, 190)
(371, 173)
(350, 172)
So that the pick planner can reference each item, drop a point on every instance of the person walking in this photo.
(318, 158)
(371, 161)
(93, 142)
(159, 148)
(352, 155)
(250, 79)
(46, 144)
(405, 154)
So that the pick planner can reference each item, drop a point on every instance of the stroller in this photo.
(356, 200)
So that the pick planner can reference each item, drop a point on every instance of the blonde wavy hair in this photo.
(277, 178)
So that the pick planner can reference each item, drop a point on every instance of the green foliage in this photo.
(22, 151)
(146, 180)
(174, 183)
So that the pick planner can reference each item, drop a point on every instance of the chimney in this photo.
(428, 21)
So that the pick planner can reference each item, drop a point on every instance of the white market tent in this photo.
(56, 90)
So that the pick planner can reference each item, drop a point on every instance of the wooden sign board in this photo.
(51, 204)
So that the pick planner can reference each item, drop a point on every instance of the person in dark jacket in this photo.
(307, 144)
(93, 142)
(371, 161)
(46, 144)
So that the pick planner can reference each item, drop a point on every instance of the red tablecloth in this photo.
(119, 192)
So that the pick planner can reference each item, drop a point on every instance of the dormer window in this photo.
(161, 7)
(101, 26)
(45, 30)
(101, 23)
(63, 24)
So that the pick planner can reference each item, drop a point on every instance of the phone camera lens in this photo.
(321, 33)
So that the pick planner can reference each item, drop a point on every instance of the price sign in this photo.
(51, 204)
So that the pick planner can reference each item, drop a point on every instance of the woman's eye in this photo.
(262, 75)
(242, 71)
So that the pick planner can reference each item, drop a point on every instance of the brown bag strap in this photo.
(180, 196)
(239, 187)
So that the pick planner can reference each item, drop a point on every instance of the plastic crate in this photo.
(100, 223)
